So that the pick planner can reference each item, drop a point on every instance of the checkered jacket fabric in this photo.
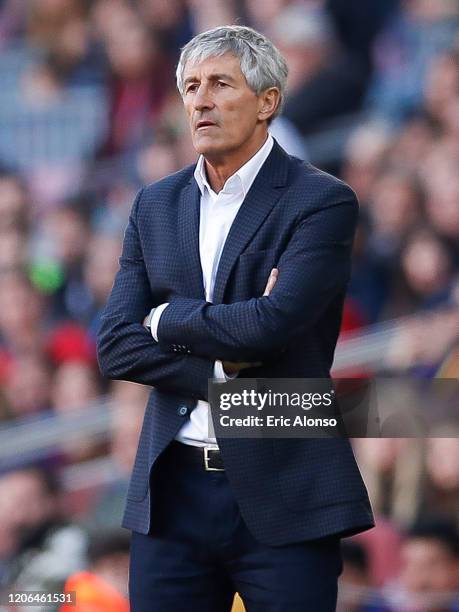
(300, 220)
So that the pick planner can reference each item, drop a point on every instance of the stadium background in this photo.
(88, 114)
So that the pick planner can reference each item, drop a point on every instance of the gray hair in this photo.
(261, 63)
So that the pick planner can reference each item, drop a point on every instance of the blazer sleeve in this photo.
(314, 269)
(125, 349)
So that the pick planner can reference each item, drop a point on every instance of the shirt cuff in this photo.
(220, 374)
(157, 312)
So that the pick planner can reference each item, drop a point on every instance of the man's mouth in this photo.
(204, 124)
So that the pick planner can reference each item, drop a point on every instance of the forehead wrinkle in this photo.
(212, 77)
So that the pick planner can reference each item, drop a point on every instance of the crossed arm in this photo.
(126, 350)
(230, 368)
(313, 269)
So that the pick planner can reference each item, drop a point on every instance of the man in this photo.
(356, 591)
(261, 517)
(429, 573)
(102, 587)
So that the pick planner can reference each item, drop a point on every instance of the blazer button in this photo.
(182, 410)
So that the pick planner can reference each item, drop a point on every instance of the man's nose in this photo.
(202, 100)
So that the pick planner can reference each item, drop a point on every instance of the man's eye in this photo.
(191, 88)
(221, 84)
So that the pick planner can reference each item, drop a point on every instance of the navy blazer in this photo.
(300, 220)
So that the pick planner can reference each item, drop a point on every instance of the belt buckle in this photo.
(207, 459)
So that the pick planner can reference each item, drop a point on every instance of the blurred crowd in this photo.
(89, 113)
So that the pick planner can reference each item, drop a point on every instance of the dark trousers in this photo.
(199, 552)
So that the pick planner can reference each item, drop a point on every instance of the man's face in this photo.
(222, 109)
(428, 568)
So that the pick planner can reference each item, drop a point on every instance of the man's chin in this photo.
(209, 147)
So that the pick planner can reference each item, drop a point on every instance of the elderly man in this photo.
(234, 266)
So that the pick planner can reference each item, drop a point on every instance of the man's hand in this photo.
(232, 367)
(271, 281)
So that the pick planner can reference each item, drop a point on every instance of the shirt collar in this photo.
(243, 178)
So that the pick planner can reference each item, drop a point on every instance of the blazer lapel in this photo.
(188, 221)
(262, 196)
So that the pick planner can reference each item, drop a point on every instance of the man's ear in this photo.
(268, 102)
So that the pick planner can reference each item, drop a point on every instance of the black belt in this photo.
(210, 459)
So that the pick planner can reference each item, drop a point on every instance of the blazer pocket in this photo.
(315, 472)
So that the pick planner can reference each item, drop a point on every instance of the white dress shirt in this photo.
(218, 211)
